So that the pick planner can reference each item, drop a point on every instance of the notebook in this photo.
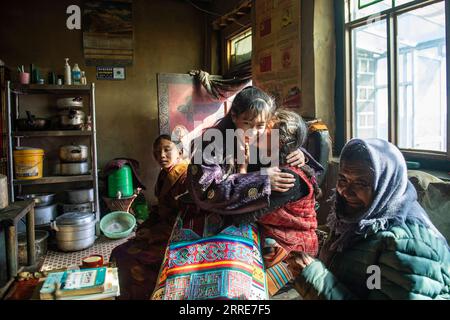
(73, 283)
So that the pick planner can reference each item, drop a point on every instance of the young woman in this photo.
(216, 185)
(139, 259)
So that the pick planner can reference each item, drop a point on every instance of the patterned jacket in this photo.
(214, 191)
(294, 224)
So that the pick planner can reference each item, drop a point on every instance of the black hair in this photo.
(168, 138)
(250, 99)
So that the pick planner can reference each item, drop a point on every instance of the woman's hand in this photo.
(280, 181)
(242, 168)
(298, 262)
(296, 159)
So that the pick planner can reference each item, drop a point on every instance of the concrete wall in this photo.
(317, 55)
(169, 37)
(325, 62)
(318, 60)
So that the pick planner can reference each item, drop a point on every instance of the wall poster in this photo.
(276, 63)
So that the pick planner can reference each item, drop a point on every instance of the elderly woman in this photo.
(382, 244)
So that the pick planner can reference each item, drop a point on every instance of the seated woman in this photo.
(139, 259)
(289, 223)
(382, 244)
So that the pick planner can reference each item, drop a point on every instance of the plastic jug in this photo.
(120, 183)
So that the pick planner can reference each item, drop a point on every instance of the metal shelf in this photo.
(49, 89)
(14, 91)
(52, 133)
(54, 180)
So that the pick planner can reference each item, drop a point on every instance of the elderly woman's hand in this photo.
(298, 262)
(296, 159)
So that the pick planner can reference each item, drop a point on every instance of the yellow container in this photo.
(28, 163)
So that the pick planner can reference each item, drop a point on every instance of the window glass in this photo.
(422, 83)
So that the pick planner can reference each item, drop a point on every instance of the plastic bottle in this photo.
(83, 78)
(67, 73)
(76, 74)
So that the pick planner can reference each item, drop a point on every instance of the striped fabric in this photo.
(277, 277)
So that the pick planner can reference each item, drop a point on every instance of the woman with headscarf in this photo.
(382, 244)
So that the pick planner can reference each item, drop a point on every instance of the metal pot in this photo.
(75, 231)
(32, 123)
(82, 207)
(40, 200)
(80, 196)
(74, 169)
(40, 246)
(73, 153)
(70, 103)
(72, 119)
(44, 215)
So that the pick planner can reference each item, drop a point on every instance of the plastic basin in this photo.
(117, 225)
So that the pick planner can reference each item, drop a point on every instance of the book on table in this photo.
(112, 288)
(74, 283)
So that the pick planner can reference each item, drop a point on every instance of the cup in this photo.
(24, 78)
(92, 261)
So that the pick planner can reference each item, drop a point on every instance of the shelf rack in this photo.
(14, 91)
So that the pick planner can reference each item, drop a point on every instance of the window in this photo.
(397, 73)
(240, 49)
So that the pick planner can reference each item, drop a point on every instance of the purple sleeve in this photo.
(214, 191)
(316, 166)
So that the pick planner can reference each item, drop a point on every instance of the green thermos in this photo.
(120, 183)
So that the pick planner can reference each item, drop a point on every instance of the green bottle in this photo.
(140, 208)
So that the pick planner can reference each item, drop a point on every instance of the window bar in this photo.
(349, 107)
(447, 53)
(392, 78)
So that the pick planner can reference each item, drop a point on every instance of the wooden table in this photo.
(9, 218)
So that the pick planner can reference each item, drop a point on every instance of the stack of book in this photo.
(85, 284)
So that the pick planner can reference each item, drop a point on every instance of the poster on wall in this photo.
(276, 63)
(108, 33)
(186, 108)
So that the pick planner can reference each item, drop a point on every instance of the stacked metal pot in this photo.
(71, 117)
(75, 229)
(74, 160)
(45, 208)
(80, 200)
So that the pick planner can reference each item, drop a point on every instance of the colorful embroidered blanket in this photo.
(225, 266)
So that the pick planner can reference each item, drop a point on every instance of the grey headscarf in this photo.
(395, 199)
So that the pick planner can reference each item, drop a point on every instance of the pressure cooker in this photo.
(75, 231)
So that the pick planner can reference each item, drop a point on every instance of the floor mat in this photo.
(59, 260)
